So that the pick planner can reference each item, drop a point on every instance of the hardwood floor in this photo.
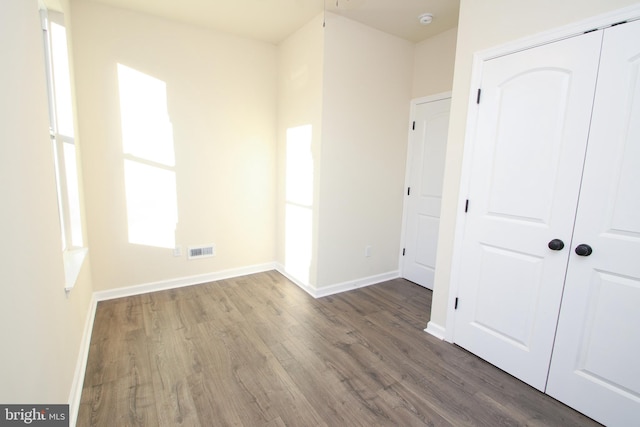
(259, 351)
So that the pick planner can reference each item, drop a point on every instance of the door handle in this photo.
(584, 250)
(556, 245)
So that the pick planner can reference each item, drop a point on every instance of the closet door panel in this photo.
(528, 155)
(596, 359)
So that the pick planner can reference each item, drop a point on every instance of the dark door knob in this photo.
(584, 250)
(556, 245)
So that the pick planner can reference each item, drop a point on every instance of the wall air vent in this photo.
(201, 251)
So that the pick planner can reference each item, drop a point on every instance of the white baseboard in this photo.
(355, 284)
(81, 364)
(311, 290)
(181, 282)
(435, 330)
(339, 287)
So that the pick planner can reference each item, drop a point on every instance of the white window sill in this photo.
(73, 260)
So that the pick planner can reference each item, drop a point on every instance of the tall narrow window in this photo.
(61, 128)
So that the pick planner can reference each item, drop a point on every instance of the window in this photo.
(61, 126)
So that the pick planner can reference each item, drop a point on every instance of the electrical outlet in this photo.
(367, 251)
(177, 251)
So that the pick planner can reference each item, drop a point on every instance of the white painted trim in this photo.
(181, 282)
(407, 170)
(435, 330)
(338, 287)
(237, 272)
(72, 259)
(308, 288)
(356, 284)
(431, 98)
(456, 258)
(630, 13)
(81, 364)
(407, 179)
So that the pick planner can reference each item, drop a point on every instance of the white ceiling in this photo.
(273, 20)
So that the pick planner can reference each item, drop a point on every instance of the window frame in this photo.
(68, 193)
(69, 240)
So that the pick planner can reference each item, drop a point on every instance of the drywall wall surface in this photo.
(485, 25)
(42, 327)
(300, 82)
(367, 89)
(433, 64)
(195, 165)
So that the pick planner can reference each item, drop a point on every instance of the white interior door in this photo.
(528, 153)
(426, 163)
(596, 359)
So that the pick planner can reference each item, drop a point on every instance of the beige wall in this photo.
(433, 63)
(229, 99)
(221, 96)
(300, 65)
(353, 85)
(367, 89)
(484, 25)
(41, 327)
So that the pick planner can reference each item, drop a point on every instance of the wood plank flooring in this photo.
(259, 351)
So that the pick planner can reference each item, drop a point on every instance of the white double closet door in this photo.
(549, 285)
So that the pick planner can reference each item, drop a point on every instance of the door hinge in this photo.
(414, 125)
(478, 98)
(455, 307)
(403, 251)
(466, 206)
(408, 191)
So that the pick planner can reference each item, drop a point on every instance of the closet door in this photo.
(428, 146)
(528, 153)
(596, 359)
